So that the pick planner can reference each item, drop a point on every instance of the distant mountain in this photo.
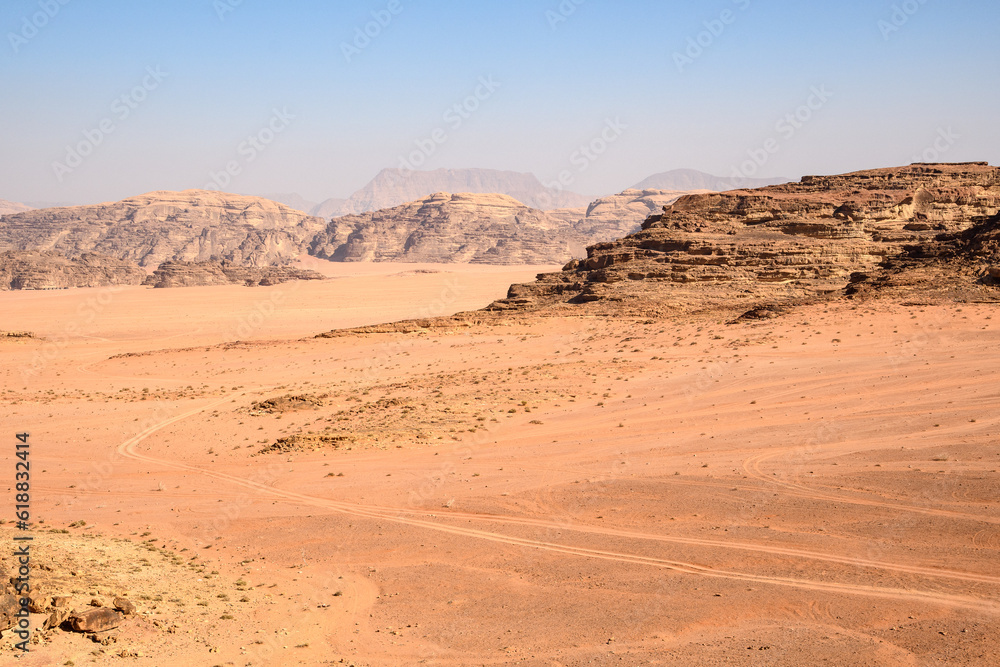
(610, 218)
(13, 207)
(48, 204)
(189, 226)
(392, 187)
(328, 208)
(293, 200)
(690, 179)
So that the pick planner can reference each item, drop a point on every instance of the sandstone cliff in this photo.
(476, 228)
(220, 272)
(194, 225)
(786, 242)
(51, 270)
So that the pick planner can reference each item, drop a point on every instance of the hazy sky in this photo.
(103, 100)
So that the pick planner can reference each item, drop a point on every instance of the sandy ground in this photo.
(817, 489)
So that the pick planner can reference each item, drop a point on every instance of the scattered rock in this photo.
(124, 606)
(288, 403)
(307, 442)
(99, 619)
(39, 604)
(56, 619)
(9, 606)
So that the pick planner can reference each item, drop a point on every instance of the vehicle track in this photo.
(752, 466)
(411, 518)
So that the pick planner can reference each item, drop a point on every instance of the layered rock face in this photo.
(50, 270)
(220, 272)
(394, 187)
(190, 226)
(776, 243)
(484, 228)
(475, 228)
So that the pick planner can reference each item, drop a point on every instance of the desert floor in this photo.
(820, 488)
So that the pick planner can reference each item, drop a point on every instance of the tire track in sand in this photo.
(752, 466)
(127, 449)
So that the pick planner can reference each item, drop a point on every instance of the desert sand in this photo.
(819, 488)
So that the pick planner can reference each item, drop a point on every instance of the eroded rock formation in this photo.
(50, 270)
(783, 242)
(189, 226)
(221, 272)
(476, 228)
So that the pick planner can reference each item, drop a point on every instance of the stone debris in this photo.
(98, 619)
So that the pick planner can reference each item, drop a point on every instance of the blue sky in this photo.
(894, 79)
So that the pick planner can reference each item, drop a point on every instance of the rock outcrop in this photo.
(394, 187)
(189, 226)
(475, 228)
(32, 270)
(221, 272)
(779, 243)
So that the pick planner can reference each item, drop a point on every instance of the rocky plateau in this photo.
(483, 229)
(189, 226)
(925, 226)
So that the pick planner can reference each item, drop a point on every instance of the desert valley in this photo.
(697, 422)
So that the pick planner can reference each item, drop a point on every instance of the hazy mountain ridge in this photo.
(8, 207)
(692, 179)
